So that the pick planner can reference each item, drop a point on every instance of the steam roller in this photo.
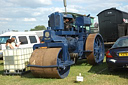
(67, 38)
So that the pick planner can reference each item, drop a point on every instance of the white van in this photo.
(27, 39)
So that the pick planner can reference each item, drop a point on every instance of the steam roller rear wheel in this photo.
(47, 57)
(95, 44)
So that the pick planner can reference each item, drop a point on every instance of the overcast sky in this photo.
(26, 14)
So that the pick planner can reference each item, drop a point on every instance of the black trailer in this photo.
(112, 24)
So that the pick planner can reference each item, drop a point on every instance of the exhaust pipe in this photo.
(65, 5)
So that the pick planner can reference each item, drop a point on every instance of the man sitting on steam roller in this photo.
(68, 24)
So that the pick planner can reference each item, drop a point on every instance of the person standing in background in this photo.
(13, 43)
(8, 44)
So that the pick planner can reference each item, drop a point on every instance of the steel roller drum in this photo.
(95, 44)
(47, 57)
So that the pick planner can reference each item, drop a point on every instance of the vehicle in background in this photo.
(27, 39)
(39, 34)
(117, 55)
(113, 23)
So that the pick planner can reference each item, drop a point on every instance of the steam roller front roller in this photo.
(95, 44)
(49, 58)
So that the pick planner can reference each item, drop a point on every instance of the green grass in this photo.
(93, 75)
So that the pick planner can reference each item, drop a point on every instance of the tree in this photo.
(39, 27)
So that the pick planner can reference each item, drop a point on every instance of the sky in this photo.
(26, 14)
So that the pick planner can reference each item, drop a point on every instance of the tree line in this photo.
(39, 27)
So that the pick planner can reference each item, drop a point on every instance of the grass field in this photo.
(93, 75)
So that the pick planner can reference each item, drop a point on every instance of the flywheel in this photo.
(95, 44)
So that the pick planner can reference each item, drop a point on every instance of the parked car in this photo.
(117, 55)
(27, 39)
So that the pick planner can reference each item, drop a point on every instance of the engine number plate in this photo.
(123, 54)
